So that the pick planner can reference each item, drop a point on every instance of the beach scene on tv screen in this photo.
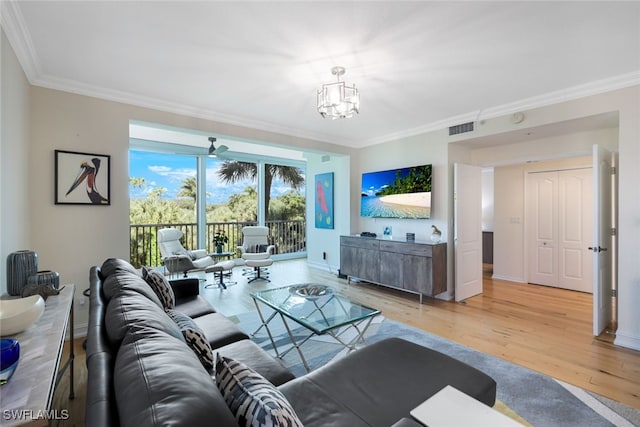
(397, 193)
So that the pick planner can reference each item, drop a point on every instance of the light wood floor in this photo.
(545, 329)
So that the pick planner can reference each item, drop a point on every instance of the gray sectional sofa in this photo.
(141, 372)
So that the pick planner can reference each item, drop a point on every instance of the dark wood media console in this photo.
(417, 267)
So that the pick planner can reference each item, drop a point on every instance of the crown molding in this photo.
(556, 97)
(564, 95)
(569, 94)
(180, 109)
(19, 38)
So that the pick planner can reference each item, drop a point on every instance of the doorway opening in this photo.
(508, 157)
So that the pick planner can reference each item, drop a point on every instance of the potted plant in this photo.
(219, 239)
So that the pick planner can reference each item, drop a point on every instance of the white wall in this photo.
(508, 260)
(628, 332)
(15, 168)
(322, 239)
(412, 151)
(575, 144)
(487, 199)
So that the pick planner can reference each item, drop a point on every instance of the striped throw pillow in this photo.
(194, 337)
(160, 286)
(254, 401)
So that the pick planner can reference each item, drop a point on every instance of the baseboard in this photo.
(627, 341)
(445, 296)
(323, 266)
(508, 278)
(79, 331)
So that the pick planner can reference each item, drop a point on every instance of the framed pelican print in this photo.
(82, 178)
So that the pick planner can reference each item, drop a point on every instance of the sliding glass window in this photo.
(165, 192)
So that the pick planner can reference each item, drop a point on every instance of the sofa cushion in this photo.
(253, 400)
(160, 286)
(111, 265)
(418, 372)
(119, 280)
(159, 381)
(194, 306)
(194, 337)
(219, 330)
(129, 309)
(251, 354)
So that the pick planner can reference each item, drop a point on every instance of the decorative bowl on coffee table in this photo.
(311, 291)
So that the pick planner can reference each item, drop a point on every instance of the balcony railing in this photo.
(286, 236)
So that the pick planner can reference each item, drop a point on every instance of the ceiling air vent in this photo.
(463, 128)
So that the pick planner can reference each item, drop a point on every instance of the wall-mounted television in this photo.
(397, 193)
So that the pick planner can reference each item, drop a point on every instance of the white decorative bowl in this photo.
(16, 315)
(311, 291)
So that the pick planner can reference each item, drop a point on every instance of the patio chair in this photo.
(177, 259)
(256, 250)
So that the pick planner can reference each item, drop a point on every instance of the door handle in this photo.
(597, 250)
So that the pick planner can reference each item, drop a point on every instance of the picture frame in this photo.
(82, 178)
(324, 200)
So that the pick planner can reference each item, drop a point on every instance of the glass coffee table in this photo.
(319, 309)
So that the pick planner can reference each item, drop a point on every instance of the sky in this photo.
(373, 182)
(170, 170)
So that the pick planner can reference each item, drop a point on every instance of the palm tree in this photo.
(234, 171)
(189, 188)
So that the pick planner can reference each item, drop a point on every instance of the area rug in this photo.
(525, 395)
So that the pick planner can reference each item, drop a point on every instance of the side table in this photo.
(26, 398)
(451, 407)
(226, 254)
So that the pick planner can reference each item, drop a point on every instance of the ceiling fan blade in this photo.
(221, 149)
(225, 156)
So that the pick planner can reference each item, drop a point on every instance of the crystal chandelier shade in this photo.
(338, 100)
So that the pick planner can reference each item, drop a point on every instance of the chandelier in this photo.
(338, 100)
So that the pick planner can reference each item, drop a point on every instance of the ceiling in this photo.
(420, 66)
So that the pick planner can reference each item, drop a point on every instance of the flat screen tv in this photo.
(397, 193)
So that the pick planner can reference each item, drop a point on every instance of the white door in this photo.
(575, 229)
(559, 224)
(467, 230)
(602, 226)
(542, 211)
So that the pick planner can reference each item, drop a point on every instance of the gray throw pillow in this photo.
(195, 338)
(254, 401)
(257, 249)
